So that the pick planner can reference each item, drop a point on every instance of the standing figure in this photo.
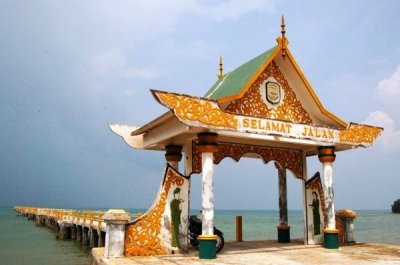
(176, 211)
(316, 214)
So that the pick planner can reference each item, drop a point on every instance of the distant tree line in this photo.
(396, 206)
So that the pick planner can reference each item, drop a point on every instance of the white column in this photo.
(326, 155)
(207, 195)
(328, 192)
(207, 147)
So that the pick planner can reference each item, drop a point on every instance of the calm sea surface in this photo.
(22, 242)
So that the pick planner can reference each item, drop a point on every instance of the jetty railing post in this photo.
(239, 234)
(100, 242)
(115, 219)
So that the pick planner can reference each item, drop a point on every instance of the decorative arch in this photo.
(291, 159)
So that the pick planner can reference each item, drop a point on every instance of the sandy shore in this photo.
(268, 252)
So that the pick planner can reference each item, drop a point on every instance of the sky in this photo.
(70, 68)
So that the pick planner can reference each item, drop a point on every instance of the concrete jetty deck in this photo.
(85, 226)
(270, 252)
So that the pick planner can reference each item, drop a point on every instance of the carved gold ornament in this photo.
(291, 159)
(252, 103)
(358, 134)
(142, 236)
(195, 109)
(251, 114)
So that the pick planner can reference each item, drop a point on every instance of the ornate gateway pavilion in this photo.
(264, 108)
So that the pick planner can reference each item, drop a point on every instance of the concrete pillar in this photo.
(37, 219)
(326, 155)
(73, 231)
(102, 239)
(283, 227)
(173, 154)
(100, 242)
(65, 231)
(116, 219)
(57, 230)
(346, 226)
(207, 240)
(93, 238)
(85, 235)
(78, 233)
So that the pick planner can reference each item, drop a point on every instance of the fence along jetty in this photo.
(85, 226)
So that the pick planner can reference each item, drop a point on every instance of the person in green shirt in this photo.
(316, 214)
(176, 211)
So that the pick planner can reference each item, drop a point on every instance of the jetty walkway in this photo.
(85, 226)
(95, 229)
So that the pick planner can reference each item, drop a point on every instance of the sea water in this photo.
(23, 242)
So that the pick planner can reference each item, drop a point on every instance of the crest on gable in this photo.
(270, 96)
(273, 92)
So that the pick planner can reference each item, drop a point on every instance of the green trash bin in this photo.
(283, 234)
(331, 238)
(207, 246)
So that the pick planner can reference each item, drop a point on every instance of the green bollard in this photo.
(331, 238)
(207, 246)
(283, 234)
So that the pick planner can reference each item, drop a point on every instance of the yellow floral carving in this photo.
(252, 103)
(195, 109)
(291, 159)
(360, 134)
(142, 236)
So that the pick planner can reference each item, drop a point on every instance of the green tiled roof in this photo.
(233, 82)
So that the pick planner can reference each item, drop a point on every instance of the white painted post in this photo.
(207, 240)
(328, 192)
(326, 155)
(116, 220)
(207, 193)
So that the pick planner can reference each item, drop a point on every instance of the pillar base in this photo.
(283, 233)
(207, 246)
(331, 238)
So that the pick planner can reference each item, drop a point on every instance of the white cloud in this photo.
(116, 27)
(390, 137)
(389, 88)
(147, 20)
(112, 64)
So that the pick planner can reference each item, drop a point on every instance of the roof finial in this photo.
(221, 68)
(284, 42)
